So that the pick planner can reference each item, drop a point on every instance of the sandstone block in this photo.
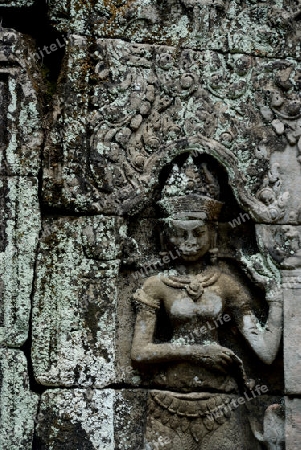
(20, 226)
(18, 403)
(75, 302)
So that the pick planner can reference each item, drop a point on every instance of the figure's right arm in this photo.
(143, 348)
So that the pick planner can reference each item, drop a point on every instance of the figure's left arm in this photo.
(263, 339)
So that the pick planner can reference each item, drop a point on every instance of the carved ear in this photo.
(162, 242)
(213, 235)
(213, 252)
(160, 231)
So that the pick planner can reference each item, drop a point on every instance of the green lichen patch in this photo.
(75, 302)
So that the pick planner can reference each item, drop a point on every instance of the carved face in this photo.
(190, 237)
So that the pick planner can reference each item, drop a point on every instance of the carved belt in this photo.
(196, 413)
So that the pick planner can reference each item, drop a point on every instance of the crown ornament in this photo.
(191, 192)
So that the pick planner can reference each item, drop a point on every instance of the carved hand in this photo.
(214, 356)
(274, 294)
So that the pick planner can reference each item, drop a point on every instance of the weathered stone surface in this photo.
(292, 423)
(16, 3)
(91, 419)
(143, 85)
(227, 26)
(67, 140)
(267, 419)
(21, 133)
(283, 243)
(76, 418)
(178, 345)
(18, 404)
(20, 226)
(291, 344)
(116, 419)
(150, 103)
(21, 138)
(75, 302)
(130, 408)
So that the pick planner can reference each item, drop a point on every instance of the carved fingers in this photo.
(215, 357)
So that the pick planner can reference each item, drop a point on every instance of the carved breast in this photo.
(192, 303)
(208, 306)
(194, 296)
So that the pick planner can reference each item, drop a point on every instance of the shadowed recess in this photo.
(34, 22)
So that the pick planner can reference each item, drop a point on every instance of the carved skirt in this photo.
(191, 421)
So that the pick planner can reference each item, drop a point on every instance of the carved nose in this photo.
(190, 244)
(191, 240)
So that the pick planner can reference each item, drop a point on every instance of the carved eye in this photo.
(198, 232)
(178, 233)
(182, 234)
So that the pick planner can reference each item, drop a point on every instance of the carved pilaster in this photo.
(283, 243)
(291, 283)
(292, 423)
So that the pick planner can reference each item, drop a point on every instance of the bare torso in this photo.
(193, 305)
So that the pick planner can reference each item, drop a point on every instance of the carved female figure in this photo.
(201, 376)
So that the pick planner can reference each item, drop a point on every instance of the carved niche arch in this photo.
(200, 145)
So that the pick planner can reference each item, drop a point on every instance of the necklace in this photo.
(194, 286)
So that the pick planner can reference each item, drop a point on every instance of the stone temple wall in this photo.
(150, 228)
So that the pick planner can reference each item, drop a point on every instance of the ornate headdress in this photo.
(191, 192)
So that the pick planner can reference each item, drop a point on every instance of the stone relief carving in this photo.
(191, 365)
(228, 26)
(143, 84)
(148, 104)
(270, 194)
(282, 243)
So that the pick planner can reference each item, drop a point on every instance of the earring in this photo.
(213, 254)
(163, 251)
